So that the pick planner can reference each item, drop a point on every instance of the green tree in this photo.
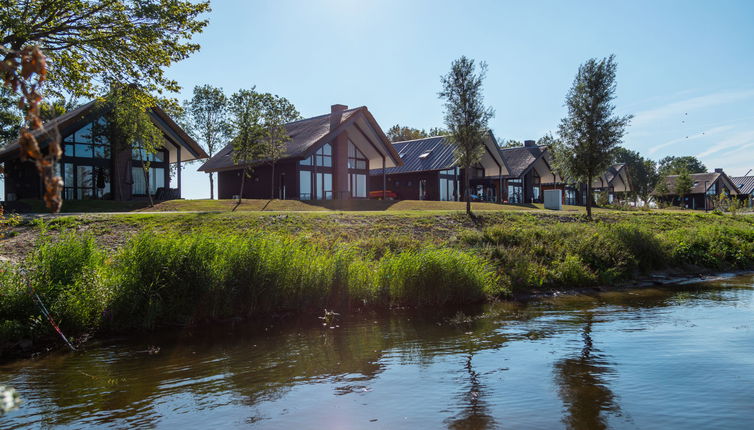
(683, 184)
(511, 143)
(466, 116)
(93, 44)
(642, 173)
(10, 117)
(437, 131)
(259, 122)
(671, 165)
(276, 113)
(399, 133)
(207, 121)
(132, 127)
(591, 131)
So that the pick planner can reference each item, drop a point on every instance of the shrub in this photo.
(432, 277)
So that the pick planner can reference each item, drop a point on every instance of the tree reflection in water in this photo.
(475, 415)
(582, 385)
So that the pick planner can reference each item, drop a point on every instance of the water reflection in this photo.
(484, 369)
(475, 414)
(582, 385)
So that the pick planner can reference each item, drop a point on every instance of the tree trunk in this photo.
(211, 187)
(243, 179)
(467, 185)
(145, 169)
(589, 199)
(272, 189)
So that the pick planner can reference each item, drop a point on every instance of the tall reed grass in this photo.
(172, 279)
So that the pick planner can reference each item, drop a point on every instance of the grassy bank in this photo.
(112, 273)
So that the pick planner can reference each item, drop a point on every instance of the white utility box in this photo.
(554, 199)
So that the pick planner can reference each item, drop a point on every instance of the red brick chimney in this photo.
(336, 113)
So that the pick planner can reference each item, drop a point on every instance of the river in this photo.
(668, 357)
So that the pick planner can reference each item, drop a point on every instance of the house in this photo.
(327, 157)
(705, 186)
(614, 180)
(430, 171)
(529, 173)
(94, 166)
(745, 185)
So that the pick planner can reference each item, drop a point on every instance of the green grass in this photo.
(117, 272)
(160, 280)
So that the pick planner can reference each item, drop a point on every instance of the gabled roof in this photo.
(701, 182)
(306, 135)
(611, 174)
(431, 153)
(521, 159)
(75, 118)
(745, 184)
(438, 153)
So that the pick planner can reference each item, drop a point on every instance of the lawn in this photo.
(206, 205)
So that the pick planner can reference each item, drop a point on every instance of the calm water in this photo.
(681, 357)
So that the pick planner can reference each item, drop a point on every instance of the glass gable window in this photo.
(323, 156)
(356, 159)
(315, 175)
(86, 162)
(90, 141)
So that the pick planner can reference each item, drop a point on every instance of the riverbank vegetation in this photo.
(111, 273)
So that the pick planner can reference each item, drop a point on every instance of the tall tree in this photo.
(93, 44)
(641, 172)
(466, 116)
(591, 131)
(683, 185)
(132, 127)
(672, 165)
(276, 112)
(245, 120)
(207, 121)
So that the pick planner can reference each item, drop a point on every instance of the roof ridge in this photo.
(323, 115)
(421, 138)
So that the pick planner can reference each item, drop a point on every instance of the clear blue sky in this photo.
(685, 68)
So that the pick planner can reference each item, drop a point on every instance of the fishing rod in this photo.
(46, 313)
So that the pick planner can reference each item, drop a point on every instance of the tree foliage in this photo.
(132, 126)
(466, 116)
(683, 185)
(10, 117)
(511, 143)
(672, 165)
(207, 121)
(399, 133)
(591, 131)
(642, 172)
(91, 45)
(258, 120)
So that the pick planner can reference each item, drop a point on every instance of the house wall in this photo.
(22, 180)
(406, 185)
(258, 186)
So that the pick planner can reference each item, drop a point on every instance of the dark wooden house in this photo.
(327, 157)
(529, 173)
(745, 186)
(705, 187)
(94, 166)
(430, 172)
